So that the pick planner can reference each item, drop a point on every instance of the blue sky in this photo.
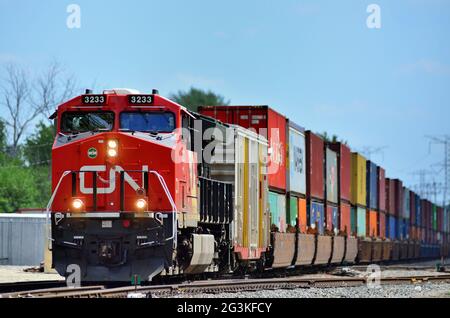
(315, 61)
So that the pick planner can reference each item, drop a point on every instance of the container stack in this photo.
(315, 181)
(372, 200)
(381, 202)
(358, 191)
(344, 188)
(390, 207)
(406, 214)
(296, 178)
(331, 191)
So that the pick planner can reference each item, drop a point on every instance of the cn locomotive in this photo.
(142, 186)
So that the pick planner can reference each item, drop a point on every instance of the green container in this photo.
(361, 221)
(434, 217)
(277, 206)
(291, 218)
(353, 219)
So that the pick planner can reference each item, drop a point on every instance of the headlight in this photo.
(112, 152)
(112, 143)
(141, 204)
(77, 204)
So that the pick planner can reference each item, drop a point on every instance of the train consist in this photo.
(142, 186)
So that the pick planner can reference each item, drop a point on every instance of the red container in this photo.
(381, 189)
(423, 210)
(382, 224)
(267, 123)
(390, 197)
(345, 169)
(398, 200)
(412, 200)
(345, 221)
(314, 166)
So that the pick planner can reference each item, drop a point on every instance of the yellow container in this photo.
(358, 186)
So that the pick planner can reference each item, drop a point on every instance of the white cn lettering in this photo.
(112, 179)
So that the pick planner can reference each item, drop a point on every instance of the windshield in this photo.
(76, 122)
(148, 121)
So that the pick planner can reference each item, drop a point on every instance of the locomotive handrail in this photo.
(158, 176)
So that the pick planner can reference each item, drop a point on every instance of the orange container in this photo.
(382, 225)
(373, 224)
(302, 217)
(345, 224)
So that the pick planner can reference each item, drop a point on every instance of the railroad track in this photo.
(215, 286)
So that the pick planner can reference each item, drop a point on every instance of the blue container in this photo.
(392, 233)
(405, 229)
(316, 216)
(371, 185)
(418, 220)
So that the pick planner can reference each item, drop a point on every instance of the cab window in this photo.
(158, 122)
(77, 122)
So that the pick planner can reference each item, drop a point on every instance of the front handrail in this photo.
(158, 176)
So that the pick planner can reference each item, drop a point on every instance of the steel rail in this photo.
(222, 286)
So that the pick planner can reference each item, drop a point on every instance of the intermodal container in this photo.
(392, 228)
(268, 123)
(331, 168)
(292, 213)
(353, 220)
(390, 196)
(382, 224)
(381, 189)
(345, 218)
(314, 166)
(302, 215)
(277, 206)
(371, 185)
(358, 185)
(418, 221)
(296, 165)
(316, 216)
(413, 207)
(434, 217)
(398, 197)
(373, 224)
(332, 218)
(361, 221)
(423, 212)
(345, 170)
(406, 209)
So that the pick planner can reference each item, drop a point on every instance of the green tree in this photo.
(332, 138)
(17, 188)
(37, 149)
(195, 97)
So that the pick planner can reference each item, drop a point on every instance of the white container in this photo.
(242, 160)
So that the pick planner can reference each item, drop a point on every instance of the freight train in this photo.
(142, 186)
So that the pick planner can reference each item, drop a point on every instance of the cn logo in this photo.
(111, 183)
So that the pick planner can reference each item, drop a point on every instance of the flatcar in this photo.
(143, 187)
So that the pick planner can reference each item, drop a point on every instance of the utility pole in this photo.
(445, 164)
